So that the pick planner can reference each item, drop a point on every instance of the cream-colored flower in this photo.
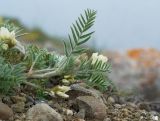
(104, 59)
(8, 37)
(65, 82)
(96, 57)
(62, 94)
(4, 33)
(60, 91)
(52, 94)
(68, 79)
(64, 88)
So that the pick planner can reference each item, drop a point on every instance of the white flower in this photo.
(96, 57)
(7, 36)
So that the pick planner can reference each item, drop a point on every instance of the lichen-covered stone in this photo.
(5, 112)
(42, 112)
(94, 108)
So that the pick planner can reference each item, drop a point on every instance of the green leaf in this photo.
(74, 36)
(87, 27)
(86, 35)
(79, 34)
(83, 19)
(83, 41)
(80, 21)
(65, 48)
(80, 50)
(76, 30)
(79, 28)
(71, 44)
(86, 13)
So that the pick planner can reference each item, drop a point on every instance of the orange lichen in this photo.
(145, 57)
(135, 53)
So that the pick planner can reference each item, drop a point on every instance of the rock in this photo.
(107, 119)
(22, 94)
(17, 99)
(78, 119)
(29, 104)
(7, 100)
(5, 112)
(81, 87)
(118, 106)
(111, 100)
(30, 99)
(68, 112)
(19, 117)
(94, 108)
(144, 106)
(18, 107)
(42, 112)
(155, 118)
(17, 120)
(56, 106)
(81, 114)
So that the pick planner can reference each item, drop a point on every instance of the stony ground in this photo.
(82, 105)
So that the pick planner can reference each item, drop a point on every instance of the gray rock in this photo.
(5, 112)
(107, 119)
(81, 87)
(94, 108)
(17, 99)
(111, 100)
(18, 107)
(118, 106)
(81, 114)
(42, 112)
(7, 100)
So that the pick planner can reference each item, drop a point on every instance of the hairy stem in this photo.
(31, 68)
(32, 85)
(43, 70)
(45, 75)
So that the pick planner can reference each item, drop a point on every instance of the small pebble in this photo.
(68, 112)
(111, 100)
(117, 106)
(155, 118)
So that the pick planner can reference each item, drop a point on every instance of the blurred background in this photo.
(128, 32)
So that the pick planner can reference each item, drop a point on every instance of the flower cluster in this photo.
(95, 57)
(68, 79)
(60, 91)
(8, 38)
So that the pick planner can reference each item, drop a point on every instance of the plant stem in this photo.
(45, 75)
(44, 70)
(32, 85)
